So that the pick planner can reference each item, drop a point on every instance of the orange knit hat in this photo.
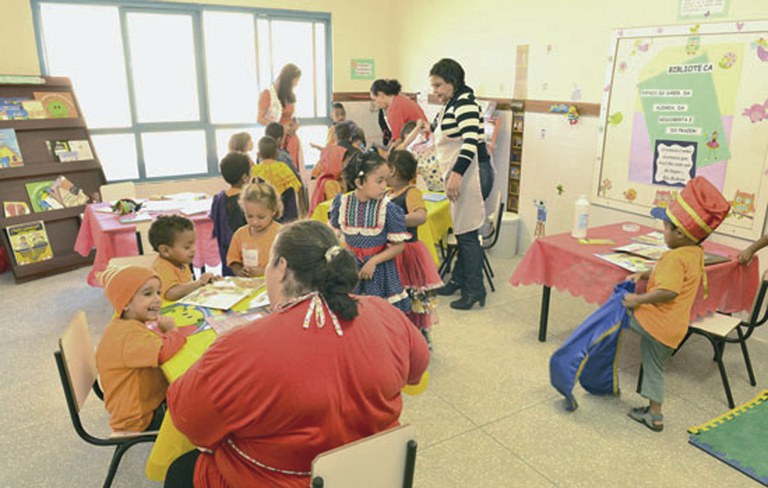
(697, 210)
(122, 283)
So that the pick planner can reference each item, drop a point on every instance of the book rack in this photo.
(40, 164)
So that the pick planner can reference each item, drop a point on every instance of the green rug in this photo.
(739, 437)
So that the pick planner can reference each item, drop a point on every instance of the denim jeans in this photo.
(468, 272)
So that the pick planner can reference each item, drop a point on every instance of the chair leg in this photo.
(116, 458)
(640, 379)
(488, 277)
(487, 263)
(719, 349)
(445, 266)
(687, 336)
(744, 351)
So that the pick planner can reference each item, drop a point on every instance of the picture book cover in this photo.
(654, 238)
(629, 262)
(67, 193)
(60, 151)
(58, 105)
(14, 209)
(225, 322)
(29, 243)
(10, 154)
(41, 196)
(13, 109)
(647, 251)
(221, 295)
(34, 109)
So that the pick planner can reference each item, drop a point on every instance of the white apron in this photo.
(275, 112)
(468, 213)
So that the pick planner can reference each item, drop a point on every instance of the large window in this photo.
(163, 85)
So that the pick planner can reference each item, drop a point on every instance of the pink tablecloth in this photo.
(559, 261)
(110, 238)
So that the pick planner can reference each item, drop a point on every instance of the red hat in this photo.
(122, 283)
(697, 210)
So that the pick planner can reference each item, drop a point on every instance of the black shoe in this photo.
(448, 289)
(425, 333)
(467, 301)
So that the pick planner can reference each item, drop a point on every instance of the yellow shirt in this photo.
(170, 274)
(678, 270)
(243, 238)
(128, 365)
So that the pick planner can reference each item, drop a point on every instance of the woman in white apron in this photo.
(458, 133)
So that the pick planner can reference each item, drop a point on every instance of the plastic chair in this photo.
(116, 191)
(383, 460)
(76, 361)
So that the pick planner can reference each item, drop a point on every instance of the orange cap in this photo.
(122, 283)
(697, 210)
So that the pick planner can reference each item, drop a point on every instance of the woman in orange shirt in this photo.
(278, 104)
(399, 109)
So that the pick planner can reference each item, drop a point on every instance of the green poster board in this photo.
(363, 69)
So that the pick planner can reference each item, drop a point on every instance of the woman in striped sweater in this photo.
(458, 135)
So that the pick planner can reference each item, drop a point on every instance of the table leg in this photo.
(544, 315)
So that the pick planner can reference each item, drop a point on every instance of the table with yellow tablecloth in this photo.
(430, 233)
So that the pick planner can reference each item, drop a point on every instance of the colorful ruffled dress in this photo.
(368, 227)
(417, 269)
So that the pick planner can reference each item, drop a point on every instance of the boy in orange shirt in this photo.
(661, 314)
(173, 238)
(130, 353)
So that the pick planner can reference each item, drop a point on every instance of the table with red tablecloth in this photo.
(111, 238)
(562, 262)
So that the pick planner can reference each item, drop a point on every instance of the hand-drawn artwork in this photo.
(739, 25)
(560, 189)
(712, 145)
(622, 67)
(756, 112)
(605, 185)
(743, 205)
(663, 197)
(559, 108)
(728, 60)
(641, 46)
(615, 118)
(761, 45)
(541, 218)
(694, 41)
(630, 194)
(573, 115)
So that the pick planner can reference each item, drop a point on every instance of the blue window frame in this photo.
(164, 85)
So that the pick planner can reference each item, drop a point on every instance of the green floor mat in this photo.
(739, 437)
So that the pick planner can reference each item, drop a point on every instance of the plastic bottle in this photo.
(580, 218)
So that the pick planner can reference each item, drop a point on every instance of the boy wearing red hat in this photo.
(661, 314)
(130, 353)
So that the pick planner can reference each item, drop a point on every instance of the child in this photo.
(130, 353)
(327, 171)
(241, 143)
(373, 227)
(338, 114)
(277, 132)
(226, 214)
(416, 140)
(416, 267)
(249, 250)
(173, 238)
(661, 314)
(280, 176)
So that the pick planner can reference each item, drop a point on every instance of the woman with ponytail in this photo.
(325, 369)
(398, 109)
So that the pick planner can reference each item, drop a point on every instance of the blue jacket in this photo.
(590, 353)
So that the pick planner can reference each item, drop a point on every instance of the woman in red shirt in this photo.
(399, 109)
(323, 370)
(278, 104)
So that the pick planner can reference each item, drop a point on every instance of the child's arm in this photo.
(643, 275)
(747, 254)
(416, 218)
(173, 339)
(632, 300)
(246, 271)
(316, 146)
(421, 126)
(177, 292)
(392, 250)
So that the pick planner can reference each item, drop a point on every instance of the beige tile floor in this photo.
(488, 419)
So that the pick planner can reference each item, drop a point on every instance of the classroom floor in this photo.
(488, 419)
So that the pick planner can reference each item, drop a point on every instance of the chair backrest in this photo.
(378, 461)
(490, 240)
(79, 359)
(759, 314)
(142, 231)
(116, 191)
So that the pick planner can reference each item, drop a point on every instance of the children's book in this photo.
(34, 109)
(29, 243)
(222, 294)
(643, 250)
(629, 262)
(12, 109)
(41, 196)
(14, 209)
(196, 207)
(66, 151)
(10, 154)
(134, 217)
(58, 105)
(654, 238)
(67, 193)
(225, 322)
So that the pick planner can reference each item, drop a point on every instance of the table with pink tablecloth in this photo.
(560, 261)
(111, 238)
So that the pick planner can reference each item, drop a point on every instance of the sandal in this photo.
(645, 417)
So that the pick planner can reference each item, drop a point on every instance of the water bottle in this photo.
(580, 218)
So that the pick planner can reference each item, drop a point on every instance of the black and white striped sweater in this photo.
(462, 119)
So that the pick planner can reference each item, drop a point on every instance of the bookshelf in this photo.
(39, 165)
(515, 158)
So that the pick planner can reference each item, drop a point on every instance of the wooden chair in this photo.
(383, 460)
(720, 329)
(76, 361)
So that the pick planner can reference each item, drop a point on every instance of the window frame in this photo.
(196, 12)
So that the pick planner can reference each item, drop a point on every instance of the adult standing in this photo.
(278, 104)
(324, 369)
(458, 137)
(398, 109)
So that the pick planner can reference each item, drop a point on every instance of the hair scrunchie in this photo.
(332, 252)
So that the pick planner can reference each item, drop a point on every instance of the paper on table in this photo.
(434, 197)
(629, 262)
(196, 207)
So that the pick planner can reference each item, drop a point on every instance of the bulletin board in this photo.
(684, 101)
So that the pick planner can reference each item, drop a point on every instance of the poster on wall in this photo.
(685, 101)
(702, 9)
(363, 69)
